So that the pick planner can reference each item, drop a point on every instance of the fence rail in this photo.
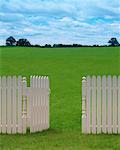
(22, 106)
(101, 104)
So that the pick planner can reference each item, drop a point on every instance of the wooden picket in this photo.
(101, 103)
(109, 81)
(19, 108)
(118, 104)
(3, 105)
(115, 101)
(98, 105)
(22, 106)
(9, 105)
(94, 104)
(88, 103)
(104, 104)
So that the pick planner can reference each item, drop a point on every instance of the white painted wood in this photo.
(104, 130)
(14, 105)
(93, 104)
(114, 104)
(38, 98)
(28, 109)
(109, 94)
(34, 110)
(42, 104)
(0, 104)
(40, 91)
(14, 95)
(9, 105)
(47, 80)
(34, 103)
(99, 105)
(24, 111)
(31, 106)
(39, 103)
(119, 104)
(109, 108)
(37, 107)
(19, 108)
(88, 105)
(3, 104)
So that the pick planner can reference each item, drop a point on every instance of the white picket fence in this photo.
(101, 104)
(22, 106)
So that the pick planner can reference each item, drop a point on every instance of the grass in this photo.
(65, 68)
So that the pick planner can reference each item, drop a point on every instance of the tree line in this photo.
(11, 41)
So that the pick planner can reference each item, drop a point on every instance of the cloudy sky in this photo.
(60, 21)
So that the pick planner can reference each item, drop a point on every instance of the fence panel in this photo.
(10, 104)
(22, 106)
(39, 103)
(101, 105)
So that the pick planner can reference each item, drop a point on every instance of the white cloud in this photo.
(54, 21)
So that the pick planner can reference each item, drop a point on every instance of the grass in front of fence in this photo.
(65, 68)
(56, 139)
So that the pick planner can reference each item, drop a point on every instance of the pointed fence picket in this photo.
(98, 88)
(104, 104)
(3, 95)
(9, 105)
(101, 103)
(118, 104)
(22, 106)
(88, 103)
(109, 81)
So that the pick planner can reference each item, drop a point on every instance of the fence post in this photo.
(24, 105)
(84, 105)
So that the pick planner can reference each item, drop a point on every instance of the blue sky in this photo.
(60, 21)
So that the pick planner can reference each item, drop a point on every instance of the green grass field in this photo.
(65, 68)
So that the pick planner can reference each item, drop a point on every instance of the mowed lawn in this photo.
(65, 68)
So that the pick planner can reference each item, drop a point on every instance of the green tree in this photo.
(10, 41)
(113, 42)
